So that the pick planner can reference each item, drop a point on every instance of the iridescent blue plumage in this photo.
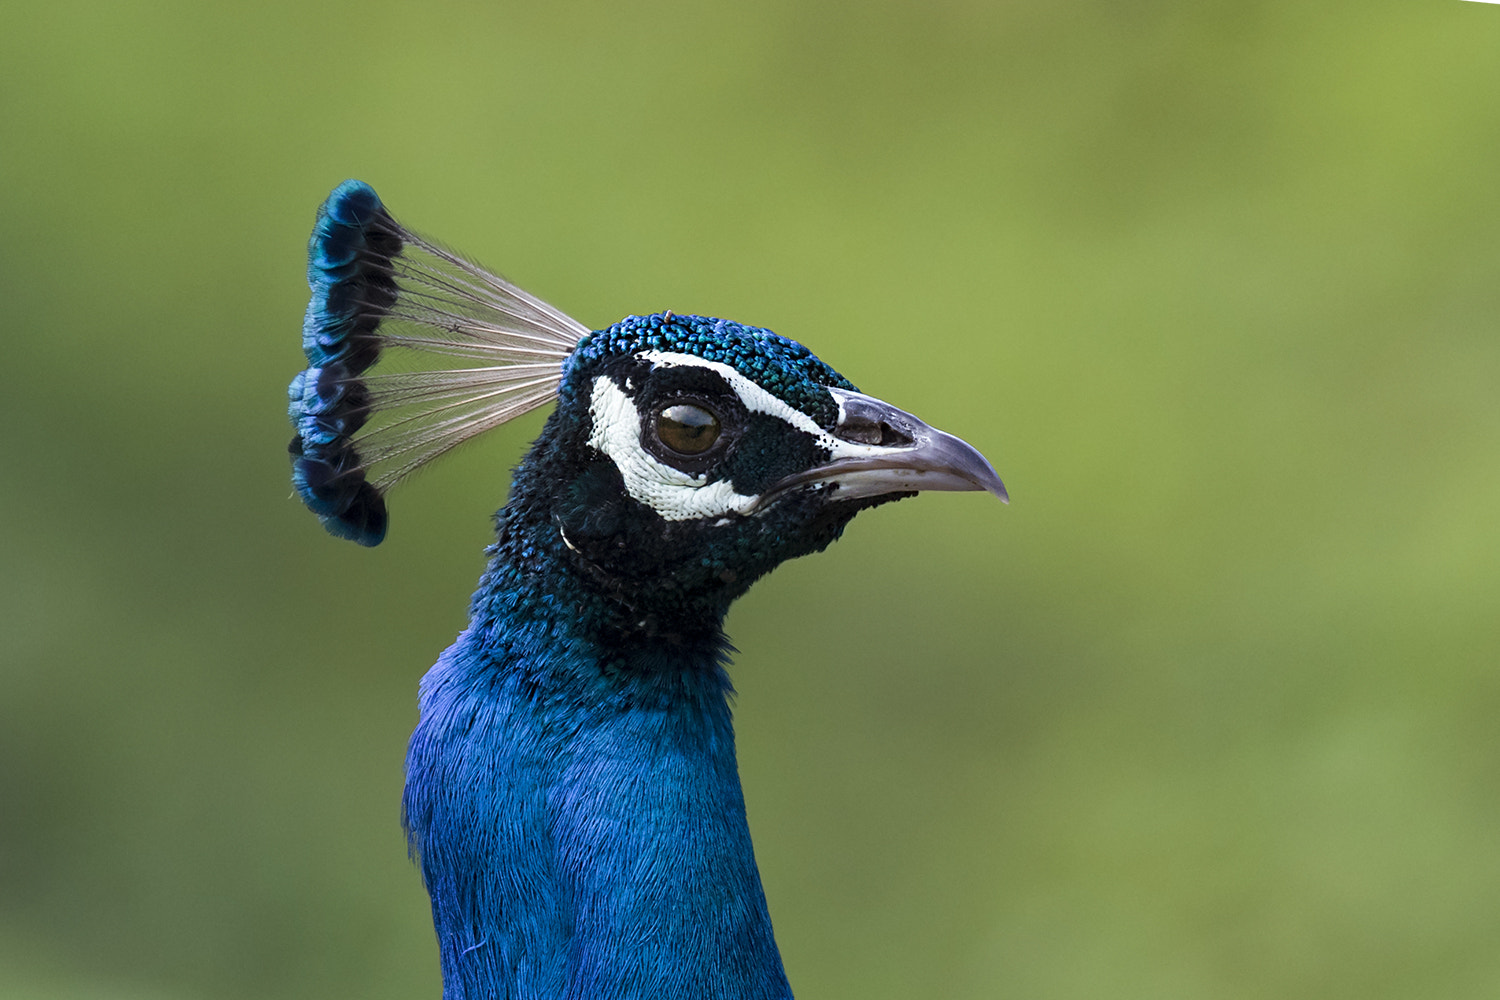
(776, 363)
(349, 272)
(379, 289)
(572, 794)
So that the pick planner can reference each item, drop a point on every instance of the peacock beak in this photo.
(879, 449)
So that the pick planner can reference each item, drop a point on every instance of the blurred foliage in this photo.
(1208, 711)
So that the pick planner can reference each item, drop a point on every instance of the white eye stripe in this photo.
(758, 400)
(672, 493)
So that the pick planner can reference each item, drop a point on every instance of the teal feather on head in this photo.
(781, 366)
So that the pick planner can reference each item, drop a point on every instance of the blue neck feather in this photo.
(574, 801)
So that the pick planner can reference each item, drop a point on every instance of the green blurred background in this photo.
(1208, 711)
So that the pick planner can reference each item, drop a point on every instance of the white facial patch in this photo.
(758, 400)
(672, 493)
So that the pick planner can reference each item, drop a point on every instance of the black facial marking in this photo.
(768, 451)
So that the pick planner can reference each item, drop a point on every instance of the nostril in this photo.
(859, 429)
(891, 437)
(862, 431)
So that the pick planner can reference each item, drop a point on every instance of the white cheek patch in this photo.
(672, 493)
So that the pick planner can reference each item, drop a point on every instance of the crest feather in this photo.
(382, 294)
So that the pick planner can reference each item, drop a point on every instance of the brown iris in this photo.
(687, 429)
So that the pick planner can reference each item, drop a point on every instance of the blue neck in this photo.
(573, 798)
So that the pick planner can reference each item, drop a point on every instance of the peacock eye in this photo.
(687, 429)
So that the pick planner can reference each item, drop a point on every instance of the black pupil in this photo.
(687, 429)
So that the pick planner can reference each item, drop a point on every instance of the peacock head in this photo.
(689, 454)
(686, 456)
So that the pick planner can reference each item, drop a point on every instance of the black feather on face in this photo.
(672, 480)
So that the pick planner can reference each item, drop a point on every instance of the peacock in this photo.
(572, 796)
